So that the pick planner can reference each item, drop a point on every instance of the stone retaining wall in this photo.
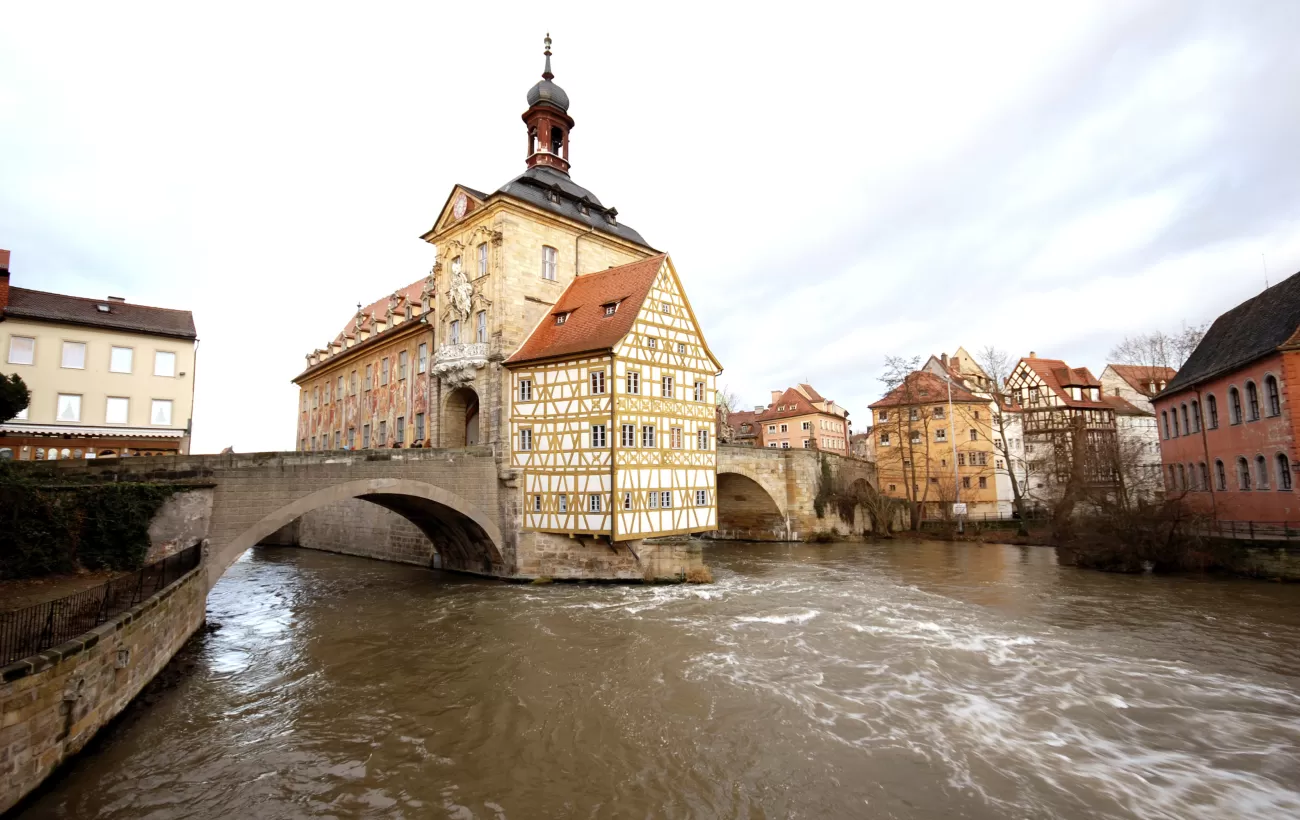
(54, 703)
(357, 527)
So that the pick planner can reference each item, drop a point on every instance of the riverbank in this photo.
(17, 593)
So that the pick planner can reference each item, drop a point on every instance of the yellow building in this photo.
(613, 422)
(800, 417)
(107, 377)
(933, 452)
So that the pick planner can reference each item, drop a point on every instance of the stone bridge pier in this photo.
(768, 494)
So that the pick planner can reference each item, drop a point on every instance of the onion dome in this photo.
(547, 91)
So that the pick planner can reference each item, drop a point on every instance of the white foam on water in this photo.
(793, 618)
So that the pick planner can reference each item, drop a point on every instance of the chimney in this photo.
(758, 408)
(1033, 355)
(118, 299)
(943, 359)
(776, 395)
(4, 279)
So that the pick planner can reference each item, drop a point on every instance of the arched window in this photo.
(1261, 473)
(1187, 425)
(1164, 416)
(1173, 479)
(1234, 406)
(1173, 414)
(1205, 477)
(1182, 478)
(1220, 476)
(1252, 401)
(1196, 416)
(1243, 473)
(1273, 396)
(1212, 407)
(1283, 472)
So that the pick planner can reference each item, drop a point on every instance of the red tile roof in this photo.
(1058, 376)
(812, 394)
(795, 404)
(587, 329)
(1140, 377)
(78, 310)
(924, 387)
(1123, 407)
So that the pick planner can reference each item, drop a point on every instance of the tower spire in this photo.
(546, 74)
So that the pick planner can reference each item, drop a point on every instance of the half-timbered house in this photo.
(612, 412)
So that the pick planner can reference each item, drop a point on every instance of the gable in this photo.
(447, 216)
(667, 289)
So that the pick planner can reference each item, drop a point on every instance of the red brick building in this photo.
(1227, 425)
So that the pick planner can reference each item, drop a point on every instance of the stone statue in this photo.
(461, 293)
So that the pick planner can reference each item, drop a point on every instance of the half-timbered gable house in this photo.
(612, 413)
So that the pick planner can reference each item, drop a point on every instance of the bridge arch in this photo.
(468, 538)
(750, 507)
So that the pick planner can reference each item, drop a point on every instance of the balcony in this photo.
(456, 363)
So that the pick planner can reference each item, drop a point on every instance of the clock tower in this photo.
(548, 121)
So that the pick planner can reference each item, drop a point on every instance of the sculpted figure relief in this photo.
(461, 292)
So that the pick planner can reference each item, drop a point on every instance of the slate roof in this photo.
(1057, 375)
(1140, 377)
(924, 387)
(77, 310)
(1251, 330)
(534, 185)
(587, 329)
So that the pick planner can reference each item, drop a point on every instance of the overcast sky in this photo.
(834, 184)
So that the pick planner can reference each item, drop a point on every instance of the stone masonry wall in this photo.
(182, 522)
(357, 527)
(54, 703)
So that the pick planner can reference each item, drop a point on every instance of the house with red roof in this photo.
(613, 410)
(801, 418)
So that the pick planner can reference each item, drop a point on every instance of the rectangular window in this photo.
(629, 435)
(401, 365)
(652, 343)
(120, 359)
(383, 371)
(22, 350)
(627, 501)
(338, 393)
(352, 438)
(665, 499)
(984, 483)
(884, 415)
(365, 436)
(482, 259)
(785, 428)
(785, 445)
(648, 436)
(74, 355)
(664, 307)
(401, 430)
(160, 412)
(974, 436)
(961, 459)
(771, 428)
(681, 347)
(315, 397)
(304, 399)
(564, 502)
(597, 382)
(941, 434)
(884, 439)
(594, 503)
(422, 357)
(525, 389)
(699, 391)
(454, 332)
(666, 387)
(652, 500)
(807, 425)
(965, 481)
(116, 411)
(634, 383)
(598, 435)
(370, 376)
(938, 412)
(537, 503)
(419, 427)
(675, 438)
(338, 439)
(383, 433)
(313, 442)
(548, 262)
(526, 439)
(702, 440)
(480, 332)
(352, 383)
(701, 498)
(807, 444)
(164, 363)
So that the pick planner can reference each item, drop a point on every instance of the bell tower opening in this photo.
(548, 121)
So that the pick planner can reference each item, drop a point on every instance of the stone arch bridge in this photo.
(457, 508)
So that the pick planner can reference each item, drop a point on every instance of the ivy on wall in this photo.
(48, 529)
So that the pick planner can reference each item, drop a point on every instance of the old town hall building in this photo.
(548, 329)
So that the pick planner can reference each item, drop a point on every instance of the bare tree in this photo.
(1159, 349)
(727, 401)
(1004, 430)
(906, 428)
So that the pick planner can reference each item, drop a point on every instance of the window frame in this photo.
(126, 414)
(632, 383)
(31, 358)
(550, 263)
(159, 356)
(525, 390)
(1272, 395)
(525, 439)
(153, 409)
(70, 346)
(596, 381)
(599, 436)
(130, 359)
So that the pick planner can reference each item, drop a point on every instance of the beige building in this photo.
(107, 378)
(801, 418)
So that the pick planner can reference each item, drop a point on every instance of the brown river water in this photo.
(908, 680)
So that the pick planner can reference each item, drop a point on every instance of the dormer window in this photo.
(611, 308)
(553, 197)
(561, 318)
(102, 308)
(586, 211)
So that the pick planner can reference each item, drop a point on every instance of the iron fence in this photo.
(26, 631)
(1254, 530)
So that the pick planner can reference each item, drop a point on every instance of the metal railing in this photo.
(32, 629)
(1254, 530)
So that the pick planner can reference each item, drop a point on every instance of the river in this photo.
(907, 680)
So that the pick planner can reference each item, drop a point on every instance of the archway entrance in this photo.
(747, 511)
(460, 420)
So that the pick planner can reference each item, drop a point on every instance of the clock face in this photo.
(458, 210)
